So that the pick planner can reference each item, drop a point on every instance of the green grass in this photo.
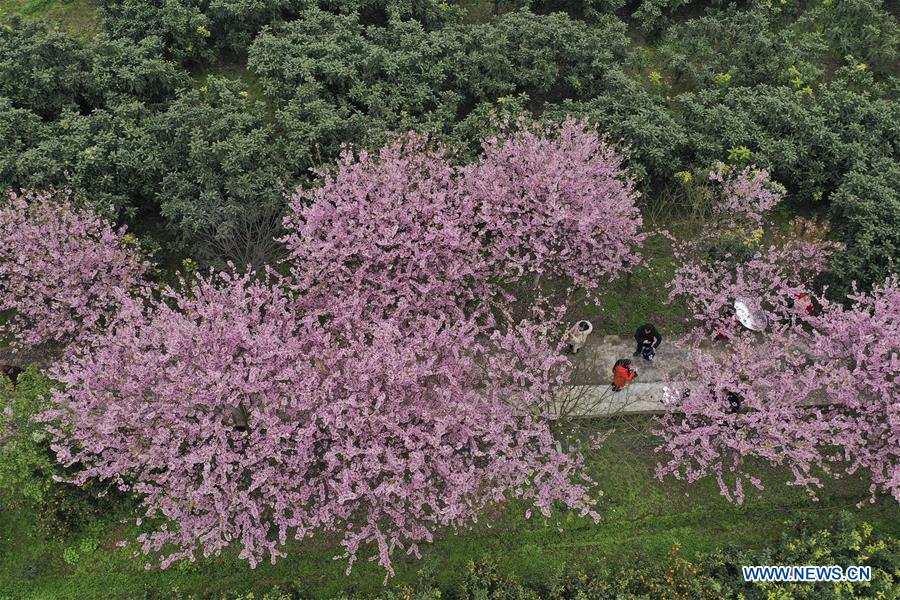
(642, 297)
(642, 519)
(78, 17)
(478, 11)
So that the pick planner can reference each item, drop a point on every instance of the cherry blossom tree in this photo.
(556, 201)
(405, 232)
(62, 269)
(857, 360)
(240, 419)
(388, 235)
(818, 397)
(815, 393)
(777, 275)
(729, 259)
(745, 196)
(742, 406)
(373, 392)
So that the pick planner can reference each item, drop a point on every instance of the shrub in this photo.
(42, 70)
(846, 543)
(861, 28)
(227, 169)
(865, 211)
(737, 48)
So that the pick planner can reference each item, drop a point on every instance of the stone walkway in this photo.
(591, 396)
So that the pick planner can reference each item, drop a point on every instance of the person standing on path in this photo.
(576, 337)
(623, 374)
(648, 340)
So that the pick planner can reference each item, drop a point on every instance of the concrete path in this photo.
(591, 395)
(593, 365)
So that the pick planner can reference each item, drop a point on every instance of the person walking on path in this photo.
(623, 374)
(576, 337)
(648, 340)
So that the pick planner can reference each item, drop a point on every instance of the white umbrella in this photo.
(750, 314)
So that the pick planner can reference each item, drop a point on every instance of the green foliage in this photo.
(865, 212)
(402, 75)
(203, 172)
(109, 156)
(847, 543)
(861, 28)
(42, 70)
(808, 144)
(26, 468)
(655, 136)
(652, 14)
(739, 154)
(485, 582)
(588, 10)
(74, 553)
(48, 71)
(747, 46)
(79, 115)
(29, 472)
(182, 27)
(714, 575)
(123, 70)
(226, 173)
(200, 30)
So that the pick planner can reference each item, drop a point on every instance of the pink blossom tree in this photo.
(777, 275)
(372, 392)
(741, 407)
(556, 201)
(815, 393)
(388, 235)
(857, 360)
(745, 196)
(62, 269)
(729, 259)
(405, 232)
(818, 397)
(240, 419)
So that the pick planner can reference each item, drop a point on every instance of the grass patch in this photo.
(78, 17)
(641, 297)
(478, 11)
(642, 519)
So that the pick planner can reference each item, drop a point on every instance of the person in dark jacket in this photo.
(735, 401)
(648, 340)
(12, 372)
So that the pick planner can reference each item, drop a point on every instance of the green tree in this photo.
(42, 70)
(226, 171)
(865, 213)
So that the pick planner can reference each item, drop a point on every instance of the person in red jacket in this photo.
(802, 304)
(623, 374)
